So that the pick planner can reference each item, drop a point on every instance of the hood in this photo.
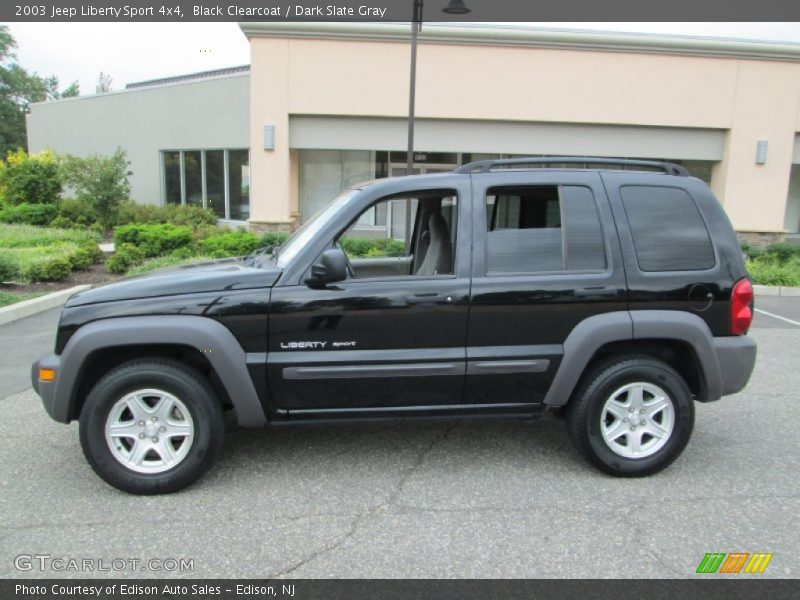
(212, 276)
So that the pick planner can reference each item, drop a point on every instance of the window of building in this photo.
(172, 177)
(543, 228)
(215, 179)
(431, 251)
(669, 233)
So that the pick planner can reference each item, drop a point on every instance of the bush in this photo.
(8, 268)
(357, 246)
(30, 178)
(77, 211)
(101, 181)
(273, 238)
(767, 270)
(55, 268)
(62, 223)
(125, 256)
(85, 256)
(29, 214)
(230, 243)
(153, 239)
(783, 252)
(176, 214)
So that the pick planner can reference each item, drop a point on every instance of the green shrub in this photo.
(357, 246)
(29, 214)
(97, 229)
(175, 214)
(365, 247)
(272, 238)
(153, 239)
(62, 223)
(782, 251)
(30, 178)
(125, 256)
(8, 268)
(231, 243)
(768, 270)
(77, 211)
(55, 268)
(85, 256)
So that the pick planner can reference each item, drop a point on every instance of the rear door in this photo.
(546, 256)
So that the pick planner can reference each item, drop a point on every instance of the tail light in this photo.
(741, 310)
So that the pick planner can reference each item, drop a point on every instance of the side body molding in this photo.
(592, 333)
(211, 338)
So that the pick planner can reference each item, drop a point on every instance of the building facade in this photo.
(323, 106)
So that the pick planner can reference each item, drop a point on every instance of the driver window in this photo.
(375, 243)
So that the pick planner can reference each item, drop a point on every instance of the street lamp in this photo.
(455, 7)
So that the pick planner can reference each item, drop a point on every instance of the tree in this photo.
(102, 181)
(103, 83)
(18, 90)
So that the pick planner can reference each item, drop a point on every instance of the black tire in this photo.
(585, 412)
(175, 378)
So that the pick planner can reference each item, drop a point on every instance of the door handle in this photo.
(430, 298)
(599, 291)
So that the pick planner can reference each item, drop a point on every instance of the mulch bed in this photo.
(94, 275)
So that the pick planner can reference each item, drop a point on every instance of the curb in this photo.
(26, 308)
(773, 290)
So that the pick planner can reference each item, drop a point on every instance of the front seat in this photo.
(439, 256)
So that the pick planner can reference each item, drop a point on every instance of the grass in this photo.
(29, 236)
(8, 298)
(162, 262)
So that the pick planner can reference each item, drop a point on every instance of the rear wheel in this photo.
(631, 416)
(151, 426)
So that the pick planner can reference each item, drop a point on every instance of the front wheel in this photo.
(151, 426)
(631, 417)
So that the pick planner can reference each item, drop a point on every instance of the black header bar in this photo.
(388, 11)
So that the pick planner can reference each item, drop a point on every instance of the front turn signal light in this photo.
(47, 374)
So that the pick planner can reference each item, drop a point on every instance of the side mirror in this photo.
(329, 268)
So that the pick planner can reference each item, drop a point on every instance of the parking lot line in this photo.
(774, 316)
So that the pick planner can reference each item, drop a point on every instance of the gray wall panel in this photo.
(209, 113)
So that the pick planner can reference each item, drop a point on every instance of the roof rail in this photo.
(484, 166)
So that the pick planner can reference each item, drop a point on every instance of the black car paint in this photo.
(468, 318)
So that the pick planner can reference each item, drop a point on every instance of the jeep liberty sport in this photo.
(612, 292)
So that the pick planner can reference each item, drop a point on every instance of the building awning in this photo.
(478, 136)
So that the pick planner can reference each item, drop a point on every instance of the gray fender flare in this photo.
(210, 337)
(593, 333)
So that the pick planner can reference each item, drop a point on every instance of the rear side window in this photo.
(543, 228)
(669, 233)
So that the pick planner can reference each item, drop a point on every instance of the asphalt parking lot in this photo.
(436, 499)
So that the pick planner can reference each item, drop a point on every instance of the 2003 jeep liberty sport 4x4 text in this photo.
(610, 291)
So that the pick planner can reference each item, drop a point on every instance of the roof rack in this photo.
(485, 166)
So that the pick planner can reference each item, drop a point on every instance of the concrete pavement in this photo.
(421, 499)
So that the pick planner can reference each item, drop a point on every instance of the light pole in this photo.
(455, 7)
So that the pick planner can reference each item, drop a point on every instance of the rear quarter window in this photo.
(668, 231)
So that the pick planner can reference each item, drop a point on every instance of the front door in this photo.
(390, 336)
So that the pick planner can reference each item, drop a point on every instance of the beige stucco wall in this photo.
(750, 99)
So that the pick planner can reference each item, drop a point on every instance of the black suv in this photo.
(615, 296)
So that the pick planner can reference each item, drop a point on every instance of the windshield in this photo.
(298, 240)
